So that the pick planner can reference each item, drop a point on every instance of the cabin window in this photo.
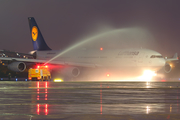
(156, 56)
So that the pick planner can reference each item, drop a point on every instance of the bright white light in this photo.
(147, 109)
(58, 80)
(147, 75)
(147, 85)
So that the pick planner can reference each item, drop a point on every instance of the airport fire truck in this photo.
(39, 73)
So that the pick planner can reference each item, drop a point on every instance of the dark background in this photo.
(62, 22)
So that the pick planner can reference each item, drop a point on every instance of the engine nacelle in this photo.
(71, 71)
(17, 66)
(167, 68)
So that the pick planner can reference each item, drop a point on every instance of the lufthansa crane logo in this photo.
(34, 33)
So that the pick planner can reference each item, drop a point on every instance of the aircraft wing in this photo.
(51, 62)
(174, 58)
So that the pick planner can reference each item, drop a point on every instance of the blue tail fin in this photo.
(37, 38)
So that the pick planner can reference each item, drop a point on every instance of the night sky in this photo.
(62, 22)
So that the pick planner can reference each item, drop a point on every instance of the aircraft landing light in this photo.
(147, 75)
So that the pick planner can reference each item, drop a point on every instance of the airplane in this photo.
(75, 62)
(170, 63)
(7, 53)
(174, 58)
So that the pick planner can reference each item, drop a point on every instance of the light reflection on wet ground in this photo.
(83, 100)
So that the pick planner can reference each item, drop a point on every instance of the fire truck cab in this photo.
(39, 73)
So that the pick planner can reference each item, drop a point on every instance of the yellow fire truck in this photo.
(39, 73)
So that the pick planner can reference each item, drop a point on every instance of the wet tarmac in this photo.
(26, 100)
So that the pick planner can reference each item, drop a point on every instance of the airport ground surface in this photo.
(26, 100)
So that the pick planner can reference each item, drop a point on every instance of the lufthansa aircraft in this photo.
(77, 61)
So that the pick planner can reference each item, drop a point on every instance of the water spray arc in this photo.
(87, 40)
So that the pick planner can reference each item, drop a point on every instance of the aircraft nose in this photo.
(162, 62)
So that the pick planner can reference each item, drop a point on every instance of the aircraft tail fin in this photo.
(175, 55)
(37, 38)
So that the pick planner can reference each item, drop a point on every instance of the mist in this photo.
(119, 39)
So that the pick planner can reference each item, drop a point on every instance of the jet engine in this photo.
(71, 71)
(17, 66)
(167, 67)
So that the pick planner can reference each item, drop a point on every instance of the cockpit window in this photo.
(156, 56)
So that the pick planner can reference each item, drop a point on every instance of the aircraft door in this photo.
(140, 61)
(135, 60)
(149, 61)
